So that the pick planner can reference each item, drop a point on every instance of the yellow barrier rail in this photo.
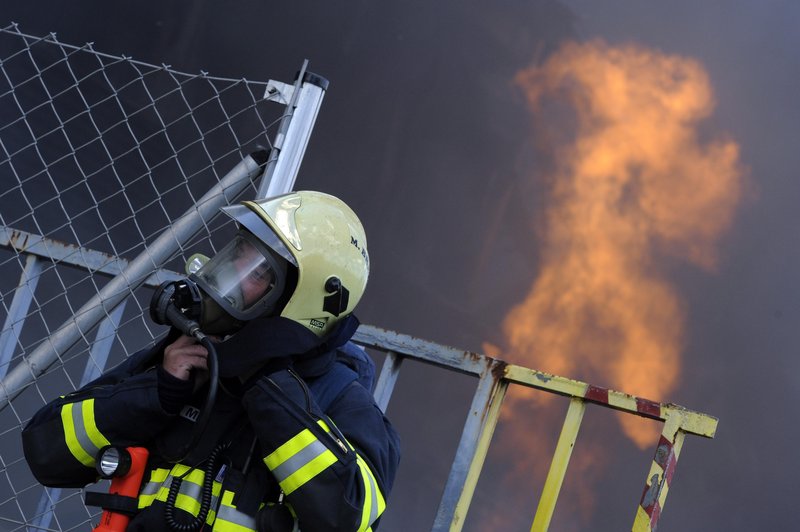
(494, 378)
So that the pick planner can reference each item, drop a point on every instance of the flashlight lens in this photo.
(113, 462)
(109, 461)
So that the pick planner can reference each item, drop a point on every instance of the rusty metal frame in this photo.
(494, 377)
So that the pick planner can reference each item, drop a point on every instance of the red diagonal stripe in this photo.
(654, 516)
(596, 393)
(645, 406)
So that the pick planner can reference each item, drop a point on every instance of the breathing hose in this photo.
(192, 328)
(205, 495)
(179, 320)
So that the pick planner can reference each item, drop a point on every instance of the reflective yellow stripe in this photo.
(82, 436)
(374, 503)
(308, 471)
(187, 504)
(324, 425)
(220, 525)
(300, 459)
(153, 486)
(289, 449)
(72, 439)
(230, 519)
(157, 489)
(89, 424)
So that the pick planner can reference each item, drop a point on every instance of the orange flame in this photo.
(633, 187)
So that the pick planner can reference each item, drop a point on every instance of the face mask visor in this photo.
(245, 278)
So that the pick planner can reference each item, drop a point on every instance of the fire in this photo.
(632, 188)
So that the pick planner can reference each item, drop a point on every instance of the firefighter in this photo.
(294, 440)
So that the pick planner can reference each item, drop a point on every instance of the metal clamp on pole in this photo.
(303, 100)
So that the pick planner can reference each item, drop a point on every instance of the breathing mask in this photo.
(245, 280)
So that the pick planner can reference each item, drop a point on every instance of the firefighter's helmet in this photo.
(322, 239)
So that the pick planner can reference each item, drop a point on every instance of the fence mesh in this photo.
(98, 155)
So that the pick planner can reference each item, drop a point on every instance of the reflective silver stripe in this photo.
(374, 503)
(151, 488)
(80, 430)
(190, 489)
(373, 514)
(300, 459)
(232, 515)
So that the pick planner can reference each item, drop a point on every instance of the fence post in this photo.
(23, 296)
(472, 448)
(303, 101)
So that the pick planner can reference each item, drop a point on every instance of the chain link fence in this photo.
(99, 155)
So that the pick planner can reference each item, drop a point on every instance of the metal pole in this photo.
(23, 296)
(387, 380)
(303, 101)
(558, 466)
(137, 271)
(472, 448)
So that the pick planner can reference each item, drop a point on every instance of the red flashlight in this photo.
(125, 467)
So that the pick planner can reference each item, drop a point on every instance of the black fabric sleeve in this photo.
(337, 497)
(122, 407)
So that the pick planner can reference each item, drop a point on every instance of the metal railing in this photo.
(494, 378)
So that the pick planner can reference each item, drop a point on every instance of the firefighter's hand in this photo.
(184, 355)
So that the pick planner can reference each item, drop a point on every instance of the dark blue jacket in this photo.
(303, 433)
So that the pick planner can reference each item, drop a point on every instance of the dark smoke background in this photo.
(424, 134)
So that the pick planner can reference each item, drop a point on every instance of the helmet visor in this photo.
(244, 277)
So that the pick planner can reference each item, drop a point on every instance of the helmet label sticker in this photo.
(191, 413)
(317, 323)
(361, 249)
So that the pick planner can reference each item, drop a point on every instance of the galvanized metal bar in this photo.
(131, 278)
(44, 510)
(486, 394)
(387, 379)
(659, 478)
(294, 131)
(558, 465)
(54, 251)
(101, 347)
(23, 296)
(422, 350)
(484, 439)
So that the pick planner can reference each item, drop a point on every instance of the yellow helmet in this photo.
(324, 239)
